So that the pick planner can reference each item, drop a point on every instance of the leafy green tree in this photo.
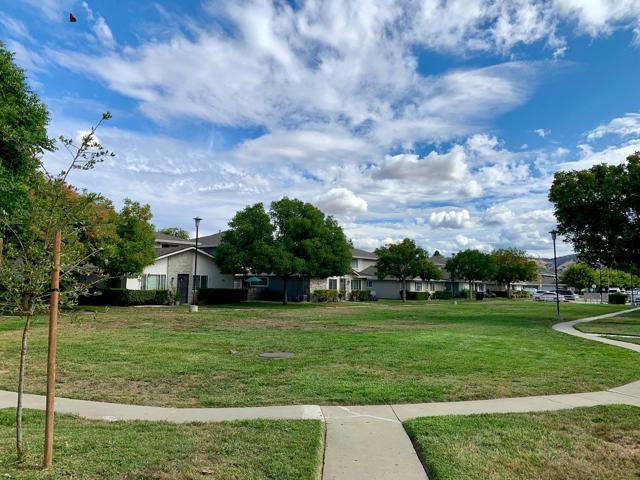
(176, 232)
(513, 265)
(293, 238)
(598, 211)
(578, 275)
(471, 265)
(306, 242)
(28, 233)
(23, 136)
(134, 247)
(246, 247)
(429, 271)
(402, 260)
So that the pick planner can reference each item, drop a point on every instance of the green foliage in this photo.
(578, 275)
(215, 296)
(513, 265)
(360, 295)
(428, 271)
(416, 295)
(176, 232)
(125, 297)
(463, 293)
(293, 238)
(324, 296)
(133, 249)
(442, 295)
(402, 260)
(471, 265)
(617, 298)
(521, 294)
(598, 211)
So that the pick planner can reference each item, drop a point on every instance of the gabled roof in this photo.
(169, 251)
(164, 238)
(358, 253)
(209, 240)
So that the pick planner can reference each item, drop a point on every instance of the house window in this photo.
(356, 284)
(202, 281)
(370, 283)
(343, 284)
(354, 263)
(333, 284)
(418, 286)
(154, 282)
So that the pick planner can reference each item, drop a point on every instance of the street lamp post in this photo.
(554, 234)
(194, 296)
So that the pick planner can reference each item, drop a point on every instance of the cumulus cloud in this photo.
(434, 167)
(624, 126)
(542, 133)
(341, 201)
(450, 219)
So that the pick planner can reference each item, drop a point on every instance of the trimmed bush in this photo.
(123, 297)
(500, 293)
(416, 295)
(216, 296)
(520, 294)
(617, 298)
(464, 293)
(324, 296)
(360, 296)
(442, 295)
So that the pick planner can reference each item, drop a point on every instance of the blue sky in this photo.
(441, 121)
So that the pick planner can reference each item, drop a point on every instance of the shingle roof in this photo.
(164, 251)
(210, 240)
(358, 253)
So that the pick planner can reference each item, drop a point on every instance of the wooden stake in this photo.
(51, 363)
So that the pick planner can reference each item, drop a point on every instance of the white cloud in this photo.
(450, 219)
(341, 201)
(624, 126)
(435, 167)
(100, 27)
(541, 132)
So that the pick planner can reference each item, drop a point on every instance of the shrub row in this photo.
(617, 298)
(216, 296)
(124, 297)
(442, 295)
(520, 294)
(324, 296)
(416, 295)
(360, 296)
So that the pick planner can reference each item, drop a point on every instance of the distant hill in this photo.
(563, 261)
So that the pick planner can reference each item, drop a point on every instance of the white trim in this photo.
(184, 250)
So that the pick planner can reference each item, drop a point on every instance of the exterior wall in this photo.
(157, 268)
(183, 263)
(364, 263)
(387, 288)
(318, 284)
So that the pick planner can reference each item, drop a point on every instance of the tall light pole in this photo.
(554, 234)
(194, 296)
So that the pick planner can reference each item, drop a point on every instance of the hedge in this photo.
(416, 295)
(324, 296)
(520, 294)
(123, 297)
(617, 298)
(214, 296)
(442, 295)
(360, 296)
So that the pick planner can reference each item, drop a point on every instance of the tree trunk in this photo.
(284, 289)
(470, 289)
(404, 290)
(21, 372)
(509, 292)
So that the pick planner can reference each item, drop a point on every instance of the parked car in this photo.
(551, 297)
(569, 296)
(615, 290)
(536, 295)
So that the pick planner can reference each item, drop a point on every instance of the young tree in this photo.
(471, 265)
(176, 232)
(402, 260)
(51, 205)
(598, 211)
(428, 271)
(578, 275)
(513, 265)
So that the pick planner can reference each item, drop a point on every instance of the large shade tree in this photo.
(513, 265)
(292, 238)
(598, 211)
(403, 260)
(579, 276)
(471, 265)
(428, 271)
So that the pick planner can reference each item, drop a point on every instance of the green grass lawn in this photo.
(344, 354)
(596, 443)
(86, 449)
(628, 324)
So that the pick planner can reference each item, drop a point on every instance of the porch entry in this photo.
(183, 287)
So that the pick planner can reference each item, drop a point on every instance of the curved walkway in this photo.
(363, 442)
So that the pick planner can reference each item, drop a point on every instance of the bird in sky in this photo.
(72, 18)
